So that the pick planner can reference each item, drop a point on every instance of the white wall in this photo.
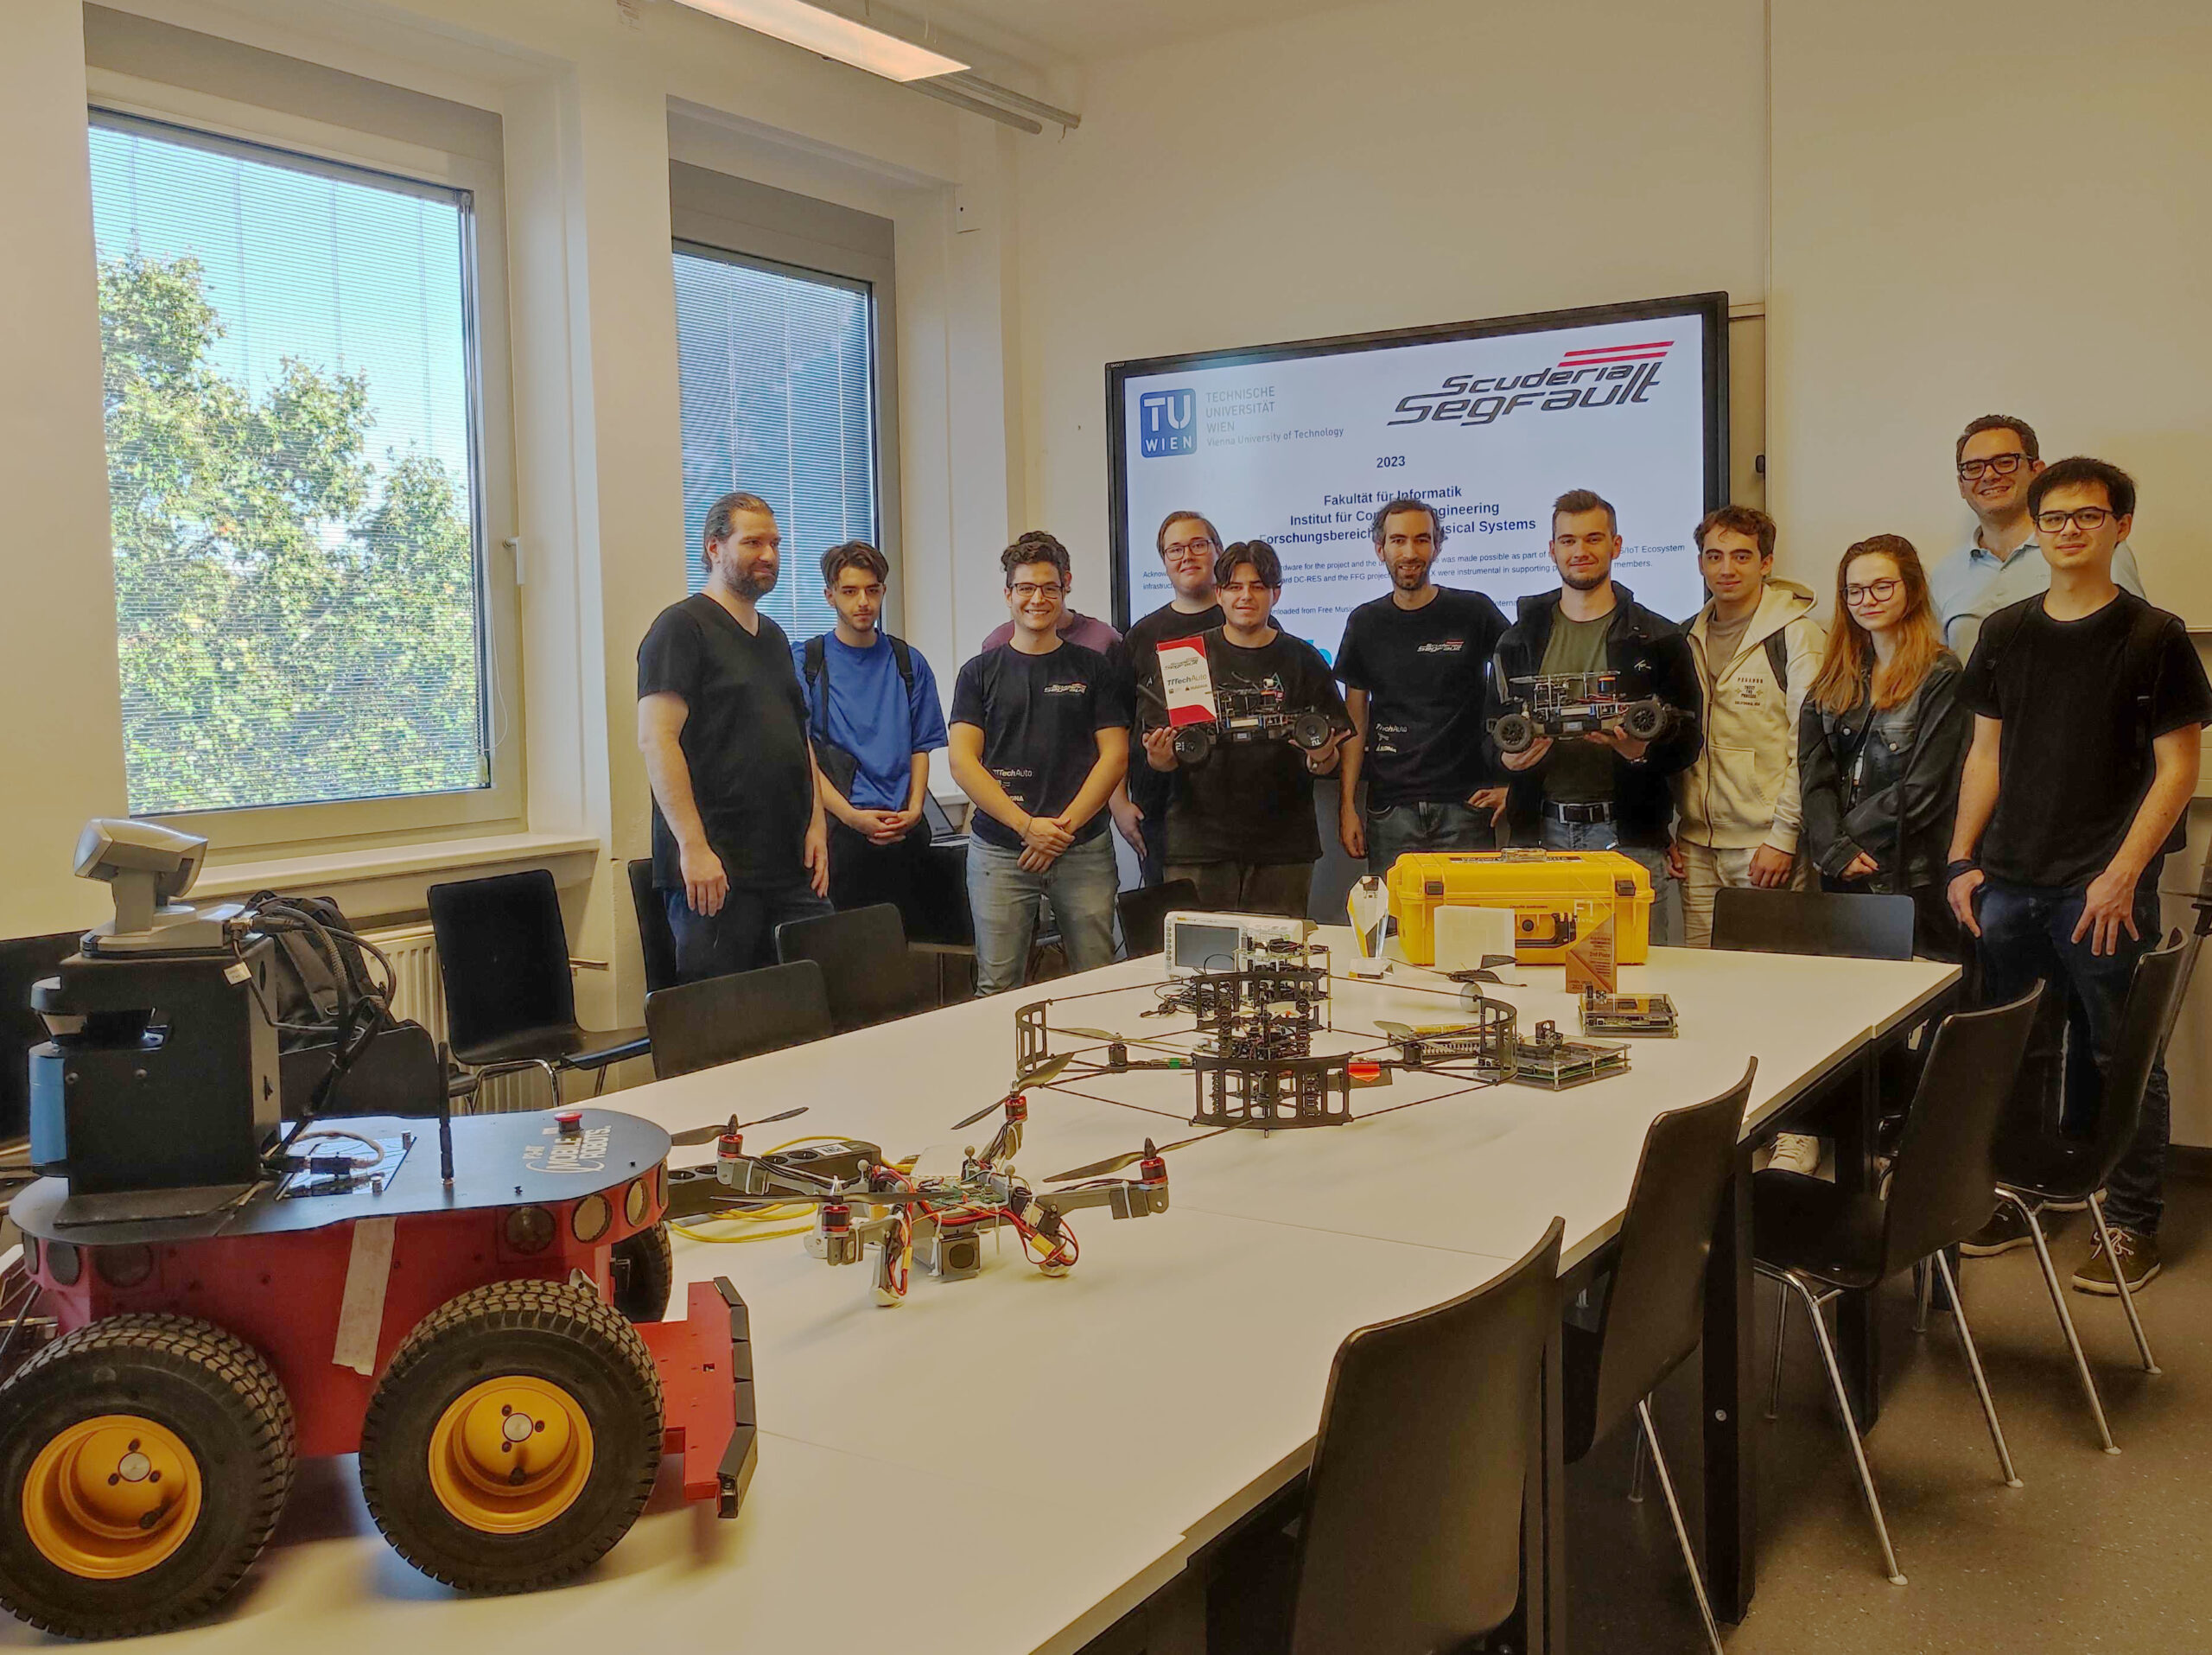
(1382, 166)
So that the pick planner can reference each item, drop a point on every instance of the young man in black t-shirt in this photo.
(2088, 708)
(1414, 670)
(1240, 823)
(739, 840)
(1040, 735)
(1188, 545)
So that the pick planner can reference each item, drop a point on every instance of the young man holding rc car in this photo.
(1188, 545)
(1413, 663)
(1240, 817)
(1757, 649)
(1604, 789)
(1040, 735)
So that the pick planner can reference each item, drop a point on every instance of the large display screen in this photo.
(1488, 421)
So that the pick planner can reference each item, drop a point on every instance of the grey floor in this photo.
(2097, 1552)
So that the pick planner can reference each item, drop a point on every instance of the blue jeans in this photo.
(1081, 883)
(1605, 836)
(1431, 824)
(741, 934)
(2027, 937)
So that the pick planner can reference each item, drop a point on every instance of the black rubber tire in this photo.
(1642, 721)
(1312, 731)
(1192, 745)
(1513, 733)
(548, 1330)
(210, 1388)
(643, 1272)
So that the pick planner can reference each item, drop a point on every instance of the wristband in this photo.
(1962, 865)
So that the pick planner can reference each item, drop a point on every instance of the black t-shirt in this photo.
(1148, 786)
(1250, 802)
(2082, 702)
(1039, 715)
(1423, 670)
(744, 739)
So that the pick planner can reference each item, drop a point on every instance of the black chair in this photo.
(1410, 1537)
(503, 955)
(1653, 1314)
(1812, 922)
(1143, 914)
(1820, 1239)
(720, 1019)
(655, 940)
(2049, 1166)
(862, 952)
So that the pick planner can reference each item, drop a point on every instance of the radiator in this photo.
(419, 995)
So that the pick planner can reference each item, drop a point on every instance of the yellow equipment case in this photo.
(1554, 895)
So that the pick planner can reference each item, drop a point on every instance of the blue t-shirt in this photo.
(872, 716)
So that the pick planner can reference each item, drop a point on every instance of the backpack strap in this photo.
(905, 656)
(818, 672)
(1777, 657)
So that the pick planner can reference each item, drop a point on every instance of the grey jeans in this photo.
(1003, 894)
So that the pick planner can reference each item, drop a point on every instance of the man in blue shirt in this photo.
(872, 707)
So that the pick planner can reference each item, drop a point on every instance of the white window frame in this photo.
(501, 808)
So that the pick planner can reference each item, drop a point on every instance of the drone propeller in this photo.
(1092, 1033)
(709, 1134)
(1115, 1163)
(991, 1108)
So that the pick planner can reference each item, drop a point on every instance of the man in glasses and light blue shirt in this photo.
(1997, 458)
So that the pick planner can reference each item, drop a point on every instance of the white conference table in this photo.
(1012, 1463)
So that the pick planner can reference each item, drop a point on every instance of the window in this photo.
(777, 370)
(292, 430)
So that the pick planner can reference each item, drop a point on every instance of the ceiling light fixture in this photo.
(813, 29)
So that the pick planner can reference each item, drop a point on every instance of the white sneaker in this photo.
(1797, 1152)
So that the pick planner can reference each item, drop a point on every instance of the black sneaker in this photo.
(2007, 1229)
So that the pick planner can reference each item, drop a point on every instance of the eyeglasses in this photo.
(2090, 517)
(1198, 547)
(2003, 464)
(1873, 591)
(1026, 590)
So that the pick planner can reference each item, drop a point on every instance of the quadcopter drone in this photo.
(1245, 716)
(1575, 703)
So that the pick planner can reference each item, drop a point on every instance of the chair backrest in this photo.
(655, 940)
(862, 953)
(503, 954)
(1144, 914)
(720, 1019)
(1411, 1541)
(1654, 1314)
(1812, 922)
(2143, 1027)
(1943, 1182)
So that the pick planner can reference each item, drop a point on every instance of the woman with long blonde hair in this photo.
(1882, 738)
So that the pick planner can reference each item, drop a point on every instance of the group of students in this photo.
(2010, 740)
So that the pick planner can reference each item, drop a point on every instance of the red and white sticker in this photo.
(1186, 682)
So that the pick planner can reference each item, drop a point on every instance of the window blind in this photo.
(778, 385)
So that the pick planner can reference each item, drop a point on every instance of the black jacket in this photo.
(1650, 657)
(1866, 775)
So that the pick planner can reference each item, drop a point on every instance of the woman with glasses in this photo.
(1881, 740)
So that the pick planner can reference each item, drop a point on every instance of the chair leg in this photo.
(1781, 1327)
(2126, 1294)
(599, 1079)
(1850, 1425)
(1636, 1469)
(1924, 1289)
(2065, 1317)
(1682, 1531)
(1973, 1363)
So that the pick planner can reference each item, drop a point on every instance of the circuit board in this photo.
(1628, 1014)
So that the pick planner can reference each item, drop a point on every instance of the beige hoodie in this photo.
(1742, 792)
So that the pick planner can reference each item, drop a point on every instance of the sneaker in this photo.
(2007, 1228)
(1797, 1152)
(2138, 1255)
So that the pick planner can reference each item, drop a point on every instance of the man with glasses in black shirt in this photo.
(1040, 735)
(739, 844)
(2088, 708)
(1188, 543)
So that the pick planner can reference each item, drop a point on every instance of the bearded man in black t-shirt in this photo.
(1240, 822)
(2088, 705)
(740, 843)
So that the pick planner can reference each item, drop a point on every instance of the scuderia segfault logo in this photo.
(1598, 377)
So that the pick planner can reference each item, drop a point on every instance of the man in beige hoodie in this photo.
(1757, 647)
